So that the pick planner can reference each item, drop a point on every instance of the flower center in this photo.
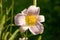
(30, 20)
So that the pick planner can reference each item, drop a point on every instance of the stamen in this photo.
(30, 19)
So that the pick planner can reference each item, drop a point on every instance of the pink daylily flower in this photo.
(30, 19)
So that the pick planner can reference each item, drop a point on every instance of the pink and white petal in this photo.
(32, 30)
(23, 28)
(41, 18)
(37, 10)
(24, 11)
(20, 19)
(38, 29)
(33, 9)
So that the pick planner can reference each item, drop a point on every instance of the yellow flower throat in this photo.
(30, 20)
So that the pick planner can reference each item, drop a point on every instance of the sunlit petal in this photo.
(24, 11)
(40, 26)
(38, 29)
(23, 28)
(33, 9)
(41, 18)
(20, 19)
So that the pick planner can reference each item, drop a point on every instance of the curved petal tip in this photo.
(41, 18)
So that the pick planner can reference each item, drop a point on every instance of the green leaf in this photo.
(5, 38)
(0, 5)
(14, 35)
(2, 21)
(8, 10)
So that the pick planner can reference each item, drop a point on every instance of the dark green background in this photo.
(49, 8)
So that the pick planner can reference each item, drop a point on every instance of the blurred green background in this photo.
(49, 8)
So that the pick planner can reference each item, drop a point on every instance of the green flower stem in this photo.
(35, 2)
(12, 14)
(1, 8)
(40, 37)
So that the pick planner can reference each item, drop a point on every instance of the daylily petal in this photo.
(41, 18)
(37, 10)
(23, 28)
(42, 29)
(38, 29)
(20, 19)
(33, 30)
(33, 9)
(24, 11)
(40, 26)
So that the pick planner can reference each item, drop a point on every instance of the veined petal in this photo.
(24, 11)
(41, 18)
(23, 28)
(32, 30)
(33, 9)
(37, 10)
(20, 19)
(41, 27)
(38, 29)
